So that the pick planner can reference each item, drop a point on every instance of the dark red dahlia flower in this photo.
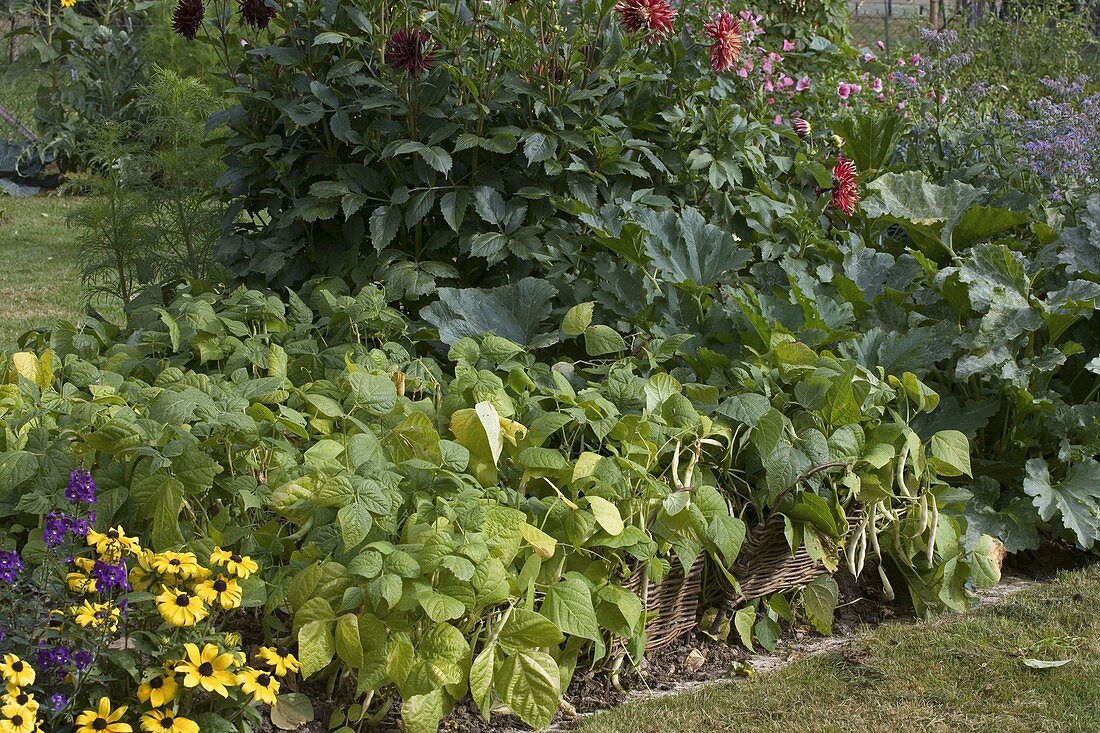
(257, 13)
(845, 189)
(410, 49)
(653, 18)
(725, 31)
(187, 18)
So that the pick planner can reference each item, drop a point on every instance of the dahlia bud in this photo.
(801, 127)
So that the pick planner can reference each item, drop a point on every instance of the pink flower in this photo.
(876, 85)
(725, 31)
(915, 59)
(788, 45)
(943, 98)
(652, 18)
(845, 194)
(778, 120)
(743, 72)
(843, 90)
(803, 84)
(880, 45)
(868, 57)
(881, 97)
(901, 105)
(786, 81)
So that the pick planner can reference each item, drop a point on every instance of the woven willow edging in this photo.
(766, 565)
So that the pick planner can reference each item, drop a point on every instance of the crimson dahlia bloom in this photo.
(845, 189)
(725, 31)
(257, 13)
(410, 50)
(187, 18)
(653, 18)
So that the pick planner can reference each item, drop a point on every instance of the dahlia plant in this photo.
(101, 634)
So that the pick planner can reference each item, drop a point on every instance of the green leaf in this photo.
(348, 645)
(607, 515)
(453, 207)
(950, 453)
(373, 392)
(291, 711)
(528, 630)
(820, 597)
(986, 562)
(601, 339)
(316, 646)
(355, 523)
(422, 713)
(530, 684)
(489, 204)
(516, 312)
(743, 621)
(686, 250)
(568, 604)
(539, 147)
(1076, 498)
(727, 534)
(439, 606)
(481, 680)
(578, 318)
(166, 516)
(437, 158)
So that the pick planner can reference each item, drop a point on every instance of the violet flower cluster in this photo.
(1060, 136)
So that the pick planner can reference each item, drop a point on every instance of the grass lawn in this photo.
(951, 674)
(38, 272)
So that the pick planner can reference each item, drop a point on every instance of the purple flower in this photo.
(82, 659)
(81, 489)
(57, 526)
(109, 576)
(78, 526)
(10, 565)
(58, 701)
(54, 657)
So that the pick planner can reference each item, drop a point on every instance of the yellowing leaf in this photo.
(607, 515)
(543, 544)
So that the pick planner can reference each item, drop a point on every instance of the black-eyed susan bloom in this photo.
(96, 616)
(17, 720)
(176, 565)
(103, 719)
(111, 544)
(240, 565)
(279, 659)
(222, 591)
(209, 669)
(16, 672)
(260, 684)
(141, 575)
(19, 699)
(180, 608)
(159, 690)
(163, 721)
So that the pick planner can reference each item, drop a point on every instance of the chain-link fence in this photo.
(897, 23)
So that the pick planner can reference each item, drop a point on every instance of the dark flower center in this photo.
(183, 600)
(99, 724)
(112, 534)
(156, 683)
(174, 561)
(166, 722)
(22, 698)
(235, 557)
(206, 669)
(17, 720)
(263, 680)
(16, 666)
(282, 651)
(219, 586)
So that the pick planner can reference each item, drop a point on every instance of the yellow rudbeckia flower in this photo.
(280, 659)
(17, 720)
(141, 575)
(240, 565)
(262, 686)
(208, 669)
(159, 690)
(68, 3)
(16, 672)
(176, 565)
(180, 608)
(80, 583)
(111, 544)
(223, 591)
(163, 721)
(96, 615)
(20, 698)
(103, 719)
